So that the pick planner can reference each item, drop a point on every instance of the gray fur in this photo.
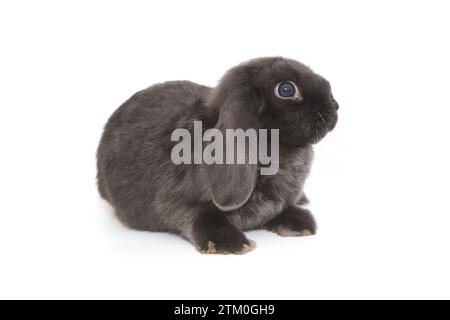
(136, 174)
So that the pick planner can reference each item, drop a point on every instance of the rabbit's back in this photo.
(135, 171)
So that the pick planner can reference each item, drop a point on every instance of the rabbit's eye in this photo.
(287, 90)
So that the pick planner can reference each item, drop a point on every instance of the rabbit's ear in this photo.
(232, 185)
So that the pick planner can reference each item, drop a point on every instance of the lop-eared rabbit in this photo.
(211, 205)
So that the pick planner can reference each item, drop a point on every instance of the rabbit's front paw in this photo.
(213, 233)
(287, 232)
(222, 248)
(293, 222)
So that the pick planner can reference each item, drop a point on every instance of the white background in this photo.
(379, 186)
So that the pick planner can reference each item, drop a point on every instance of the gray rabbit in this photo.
(211, 205)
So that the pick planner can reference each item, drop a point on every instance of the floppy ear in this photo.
(232, 185)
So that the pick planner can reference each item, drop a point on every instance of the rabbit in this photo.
(212, 205)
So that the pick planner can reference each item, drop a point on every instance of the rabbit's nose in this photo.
(336, 104)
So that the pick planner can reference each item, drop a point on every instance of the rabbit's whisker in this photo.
(323, 120)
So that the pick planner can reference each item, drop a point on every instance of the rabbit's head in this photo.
(269, 93)
(277, 93)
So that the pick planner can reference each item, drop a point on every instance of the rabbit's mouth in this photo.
(307, 125)
(325, 122)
